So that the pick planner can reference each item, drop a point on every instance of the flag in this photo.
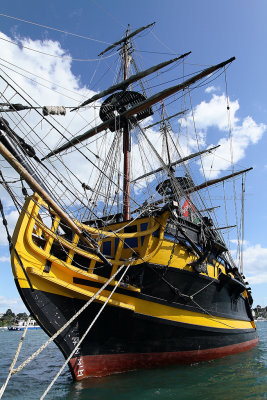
(188, 209)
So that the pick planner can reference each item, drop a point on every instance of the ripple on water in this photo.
(239, 377)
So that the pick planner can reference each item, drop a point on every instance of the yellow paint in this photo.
(74, 291)
(72, 252)
(60, 278)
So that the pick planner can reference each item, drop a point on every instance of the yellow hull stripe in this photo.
(85, 294)
(140, 306)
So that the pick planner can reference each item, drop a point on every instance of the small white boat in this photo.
(21, 325)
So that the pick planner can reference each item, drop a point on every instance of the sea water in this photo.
(239, 377)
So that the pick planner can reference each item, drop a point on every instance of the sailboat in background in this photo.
(127, 269)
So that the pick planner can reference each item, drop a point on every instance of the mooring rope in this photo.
(41, 348)
(13, 371)
(84, 335)
(11, 368)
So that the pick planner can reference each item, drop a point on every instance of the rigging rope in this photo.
(78, 149)
(53, 29)
(85, 334)
(57, 333)
(20, 45)
(242, 225)
(11, 368)
(232, 159)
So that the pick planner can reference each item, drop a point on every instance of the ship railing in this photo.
(140, 238)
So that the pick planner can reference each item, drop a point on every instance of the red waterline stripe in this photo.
(108, 364)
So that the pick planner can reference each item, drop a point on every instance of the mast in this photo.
(126, 143)
(164, 129)
(139, 107)
(132, 79)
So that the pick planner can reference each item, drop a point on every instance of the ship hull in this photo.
(122, 340)
(162, 312)
(108, 364)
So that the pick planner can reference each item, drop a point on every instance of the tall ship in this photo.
(118, 252)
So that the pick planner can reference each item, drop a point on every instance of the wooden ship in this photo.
(121, 280)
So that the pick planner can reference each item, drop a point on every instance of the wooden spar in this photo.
(47, 198)
(209, 209)
(214, 181)
(126, 38)
(175, 163)
(166, 119)
(168, 92)
(138, 108)
(224, 227)
(126, 146)
(196, 188)
(128, 81)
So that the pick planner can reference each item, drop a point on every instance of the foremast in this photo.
(126, 142)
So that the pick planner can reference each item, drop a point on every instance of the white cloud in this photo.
(61, 87)
(213, 114)
(14, 303)
(235, 241)
(211, 89)
(255, 263)
(4, 259)
(7, 301)
(11, 218)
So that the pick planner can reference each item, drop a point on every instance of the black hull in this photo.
(123, 340)
(220, 298)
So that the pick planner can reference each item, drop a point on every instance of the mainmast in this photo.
(126, 142)
(136, 108)
(124, 108)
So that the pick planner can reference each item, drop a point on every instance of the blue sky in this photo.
(213, 31)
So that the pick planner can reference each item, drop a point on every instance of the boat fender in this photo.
(54, 110)
(200, 267)
(248, 304)
(250, 298)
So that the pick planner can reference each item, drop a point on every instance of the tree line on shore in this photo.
(260, 312)
(9, 318)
